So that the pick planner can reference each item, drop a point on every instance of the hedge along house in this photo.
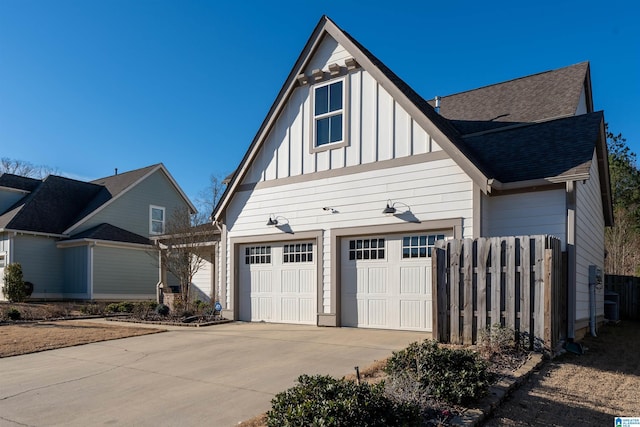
(332, 213)
(88, 240)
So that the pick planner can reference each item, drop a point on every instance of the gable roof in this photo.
(503, 108)
(115, 186)
(57, 205)
(543, 96)
(50, 208)
(446, 135)
(17, 182)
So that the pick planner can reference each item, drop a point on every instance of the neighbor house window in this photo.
(328, 113)
(298, 252)
(157, 219)
(419, 246)
(257, 255)
(3, 260)
(366, 249)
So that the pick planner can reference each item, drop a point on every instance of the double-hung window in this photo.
(156, 219)
(328, 113)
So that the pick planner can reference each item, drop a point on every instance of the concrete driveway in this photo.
(218, 375)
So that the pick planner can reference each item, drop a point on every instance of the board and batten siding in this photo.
(526, 214)
(131, 210)
(76, 271)
(589, 240)
(433, 190)
(377, 129)
(42, 264)
(124, 273)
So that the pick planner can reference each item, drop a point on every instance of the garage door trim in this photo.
(234, 263)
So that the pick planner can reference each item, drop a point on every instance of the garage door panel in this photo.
(377, 280)
(377, 312)
(278, 287)
(411, 280)
(392, 291)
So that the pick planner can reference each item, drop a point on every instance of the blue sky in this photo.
(88, 86)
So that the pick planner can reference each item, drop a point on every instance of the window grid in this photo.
(257, 255)
(157, 220)
(419, 246)
(366, 249)
(298, 252)
(328, 113)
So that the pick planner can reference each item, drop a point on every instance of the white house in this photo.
(330, 217)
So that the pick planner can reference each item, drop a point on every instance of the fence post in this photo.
(467, 286)
(454, 291)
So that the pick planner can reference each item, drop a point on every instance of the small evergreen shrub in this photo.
(162, 309)
(14, 288)
(14, 314)
(92, 309)
(453, 375)
(324, 401)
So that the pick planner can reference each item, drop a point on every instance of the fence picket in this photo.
(454, 290)
(484, 246)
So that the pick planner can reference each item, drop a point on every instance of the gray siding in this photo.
(9, 198)
(124, 272)
(76, 274)
(42, 264)
(131, 210)
(4, 242)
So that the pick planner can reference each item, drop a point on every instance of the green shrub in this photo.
(453, 375)
(92, 309)
(162, 310)
(14, 288)
(113, 307)
(324, 401)
(14, 314)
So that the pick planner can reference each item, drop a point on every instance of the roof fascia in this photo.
(106, 243)
(32, 233)
(160, 167)
(14, 190)
(326, 26)
(602, 156)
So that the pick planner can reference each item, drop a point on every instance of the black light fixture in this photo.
(272, 221)
(390, 209)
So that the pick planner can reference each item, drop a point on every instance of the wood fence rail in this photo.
(514, 281)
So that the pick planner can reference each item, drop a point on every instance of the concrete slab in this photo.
(218, 375)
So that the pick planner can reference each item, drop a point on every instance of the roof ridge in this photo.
(513, 80)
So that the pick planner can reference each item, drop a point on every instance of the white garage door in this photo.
(386, 281)
(278, 282)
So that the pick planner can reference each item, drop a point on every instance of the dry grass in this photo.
(17, 339)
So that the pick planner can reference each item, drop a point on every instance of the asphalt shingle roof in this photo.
(544, 96)
(18, 182)
(555, 148)
(112, 233)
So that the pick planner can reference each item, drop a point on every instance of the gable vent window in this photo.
(157, 219)
(328, 113)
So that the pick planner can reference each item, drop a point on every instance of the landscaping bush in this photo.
(162, 310)
(92, 309)
(452, 375)
(143, 309)
(324, 401)
(120, 307)
(14, 288)
(14, 314)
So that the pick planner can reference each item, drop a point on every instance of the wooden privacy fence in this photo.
(517, 282)
(628, 298)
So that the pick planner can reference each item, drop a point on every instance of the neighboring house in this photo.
(331, 215)
(88, 240)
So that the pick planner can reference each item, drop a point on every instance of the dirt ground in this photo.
(32, 337)
(584, 390)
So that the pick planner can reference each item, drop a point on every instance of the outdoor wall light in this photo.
(390, 209)
(272, 221)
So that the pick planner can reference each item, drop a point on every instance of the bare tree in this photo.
(208, 198)
(24, 168)
(182, 249)
(623, 245)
